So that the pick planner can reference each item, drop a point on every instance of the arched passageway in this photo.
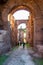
(21, 33)
(22, 19)
(35, 23)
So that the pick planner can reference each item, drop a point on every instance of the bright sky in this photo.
(21, 15)
(23, 25)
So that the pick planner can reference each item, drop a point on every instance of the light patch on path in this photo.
(27, 59)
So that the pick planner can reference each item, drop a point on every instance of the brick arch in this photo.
(23, 7)
(21, 21)
(34, 9)
(12, 7)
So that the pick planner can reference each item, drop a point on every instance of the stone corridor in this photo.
(19, 56)
(11, 36)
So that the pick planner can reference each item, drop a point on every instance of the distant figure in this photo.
(23, 45)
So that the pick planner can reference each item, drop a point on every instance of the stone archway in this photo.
(30, 28)
(18, 8)
(35, 12)
(21, 32)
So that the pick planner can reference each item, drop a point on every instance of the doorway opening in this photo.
(21, 18)
(21, 33)
(18, 18)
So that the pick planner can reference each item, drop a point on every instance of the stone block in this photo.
(4, 41)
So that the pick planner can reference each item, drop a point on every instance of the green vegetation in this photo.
(38, 61)
(27, 45)
(14, 48)
(24, 30)
(2, 59)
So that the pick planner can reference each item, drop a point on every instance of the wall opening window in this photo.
(21, 15)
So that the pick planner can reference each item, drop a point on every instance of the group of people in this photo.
(23, 43)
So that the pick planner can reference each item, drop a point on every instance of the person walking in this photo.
(23, 45)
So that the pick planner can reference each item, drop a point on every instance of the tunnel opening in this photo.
(21, 35)
(17, 17)
(21, 17)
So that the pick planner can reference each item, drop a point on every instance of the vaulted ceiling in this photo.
(7, 6)
(38, 2)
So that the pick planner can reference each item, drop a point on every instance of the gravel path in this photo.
(19, 56)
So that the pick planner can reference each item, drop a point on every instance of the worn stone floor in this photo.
(19, 56)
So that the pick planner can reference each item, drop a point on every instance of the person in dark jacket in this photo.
(23, 44)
